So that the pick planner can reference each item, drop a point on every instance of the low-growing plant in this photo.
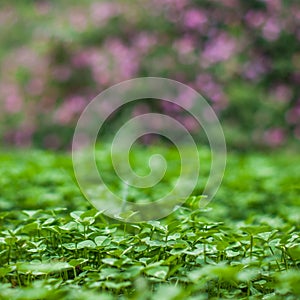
(243, 245)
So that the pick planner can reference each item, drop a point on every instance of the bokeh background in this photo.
(243, 56)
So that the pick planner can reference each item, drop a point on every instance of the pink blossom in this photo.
(273, 5)
(296, 76)
(97, 61)
(81, 59)
(42, 7)
(8, 16)
(27, 57)
(208, 115)
(282, 93)
(296, 12)
(69, 109)
(274, 137)
(220, 105)
(101, 74)
(116, 46)
(140, 110)
(75, 104)
(62, 73)
(78, 19)
(205, 84)
(194, 18)
(218, 49)
(144, 41)
(101, 12)
(255, 18)
(229, 3)
(254, 69)
(125, 60)
(271, 29)
(185, 45)
(148, 139)
(82, 140)
(31, 62)
(13, 103)
(293, 115)
(22, 137)
(176, 4)
(190, 123)
(128, 66)
(35, 86)
(170, 107)
(186, 99)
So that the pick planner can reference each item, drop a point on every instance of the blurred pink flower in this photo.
(254, 69)
(70, 107)
(186, 99)
(206, 85)
(293, 115)
(255, 18)
(190, 123)
(78, 19)
(144, 41)
(296, 77)
(194, 18)
(81, 59)
(13, 101)
(170, 107)
(140, 109)
(13, 104)
(26, 57)
(29, 61)
(35, 86)
(296, 12)
(62, 73)
(8, 16)
(97, 61)
(274, 137)
(218, 49)
(185, 45)
(173, 4)
(229, 3)
(125, 60)
(282, 93)
(76, 104)
(271, 30)
(82, 140)
(22, 137)
(101, 12)
(273, 5)
(42, 7)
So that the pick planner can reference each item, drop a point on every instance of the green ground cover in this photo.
(243, 245)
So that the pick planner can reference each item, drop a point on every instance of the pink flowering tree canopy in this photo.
(242, 56)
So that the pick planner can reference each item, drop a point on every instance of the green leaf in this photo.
(102, 240)
(294, 252)
(160, 272)
(86, 244)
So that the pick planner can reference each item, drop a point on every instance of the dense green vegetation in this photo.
(244, 244)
